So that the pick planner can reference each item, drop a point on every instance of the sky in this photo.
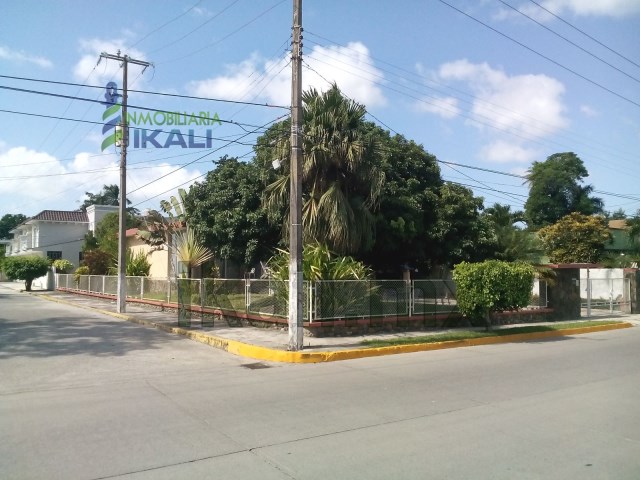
(487, 86)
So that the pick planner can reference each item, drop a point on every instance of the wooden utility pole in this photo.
(295, 197)
(122, 210)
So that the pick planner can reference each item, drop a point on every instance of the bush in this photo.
(27, 268)
(62, 265)
(137, 265)
(98, 262)
(83, 270)
(492, 286)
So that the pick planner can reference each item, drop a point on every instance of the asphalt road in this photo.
(88, 396)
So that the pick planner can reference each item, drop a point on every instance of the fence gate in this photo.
(603, 296)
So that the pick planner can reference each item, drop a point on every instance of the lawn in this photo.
(467, 334)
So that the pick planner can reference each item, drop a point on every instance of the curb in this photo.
(257, 352)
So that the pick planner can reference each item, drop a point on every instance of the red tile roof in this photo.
(61, 216)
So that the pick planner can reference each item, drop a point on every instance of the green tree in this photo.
(8, 222)
(109, 195)
(106, 233)
(341, 175)
(556, 190)
(512, 243)
(463, 234)
(492, 286)
(404, 233)
(27, 268)
(226, 213)
(575, 238)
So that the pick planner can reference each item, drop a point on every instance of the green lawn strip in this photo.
(466, 334)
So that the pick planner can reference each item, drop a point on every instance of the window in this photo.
(54, 254)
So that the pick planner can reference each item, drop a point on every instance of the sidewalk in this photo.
(271, 343)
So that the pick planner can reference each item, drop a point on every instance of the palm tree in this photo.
(341, 174)
(189, 251)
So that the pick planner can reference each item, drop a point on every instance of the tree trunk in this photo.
(27, 285)
(487, 321)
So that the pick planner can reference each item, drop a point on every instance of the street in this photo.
(87, 396)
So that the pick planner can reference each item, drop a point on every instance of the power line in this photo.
(570, 41)
(197, 28)
(147, 92)
(166, 23)
(243, 26)
(585, 34)
(564, 67)
(207, 154)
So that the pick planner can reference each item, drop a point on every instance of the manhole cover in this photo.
(255, 366)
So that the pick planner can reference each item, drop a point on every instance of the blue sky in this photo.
(477, 83)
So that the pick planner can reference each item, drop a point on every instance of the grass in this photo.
(467, 334)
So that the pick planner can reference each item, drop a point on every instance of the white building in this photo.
(56, 233)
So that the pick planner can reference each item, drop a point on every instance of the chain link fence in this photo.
(322, 300)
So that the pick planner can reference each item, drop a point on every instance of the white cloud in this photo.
(529, 105)
(588, 111)
(349, 67)
(505, 152)
(446, 107)
(32, 181)
(107, 69)
(607, 8)
(613, 8)
(21, 57)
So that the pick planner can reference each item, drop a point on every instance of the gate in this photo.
(605, 296)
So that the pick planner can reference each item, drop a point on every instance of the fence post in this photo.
(310, 300)
(247, 293)
(410, 286)
(202, 296)
(141, 288)
(168, 290)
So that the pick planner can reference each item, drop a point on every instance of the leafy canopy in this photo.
(556, 190)
(27, 268)
(8, 222)
(226, 213)
(575, 238)
(341, 175)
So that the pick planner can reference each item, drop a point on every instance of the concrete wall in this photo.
(159, 259)
(564, 294)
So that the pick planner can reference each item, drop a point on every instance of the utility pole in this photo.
(121, 306)
(295, 197)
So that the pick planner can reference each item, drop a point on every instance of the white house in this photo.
(56, 233)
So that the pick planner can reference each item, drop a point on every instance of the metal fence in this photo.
(322, 300)
(605, 295)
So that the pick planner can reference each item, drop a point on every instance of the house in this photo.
(158, 256)
(56, 233)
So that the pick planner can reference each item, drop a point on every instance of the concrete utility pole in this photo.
(295, 198)
(122, 210)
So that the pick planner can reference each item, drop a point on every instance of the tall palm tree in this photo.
(341, 174)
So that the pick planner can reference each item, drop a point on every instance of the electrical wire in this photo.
(167, 23)
(549, 59)
(570, 41)
(585, 34)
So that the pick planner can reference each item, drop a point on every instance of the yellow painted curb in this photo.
(268, 354)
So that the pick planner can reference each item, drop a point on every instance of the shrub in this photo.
(137, 265)
(98, 262)
(62, 265)
(27, 268)
(82, 270)
(492, 286)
